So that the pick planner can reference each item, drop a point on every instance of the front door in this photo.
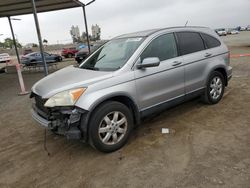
(164, 83)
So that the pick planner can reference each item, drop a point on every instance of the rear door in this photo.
(157, 85)
(191, 48)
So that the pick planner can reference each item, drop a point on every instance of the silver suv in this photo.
(128, 78)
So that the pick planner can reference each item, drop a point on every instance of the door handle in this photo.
(208, 55)
(176, 63)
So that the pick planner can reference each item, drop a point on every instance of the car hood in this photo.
(68, 78)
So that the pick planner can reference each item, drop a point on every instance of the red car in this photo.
(69, 52)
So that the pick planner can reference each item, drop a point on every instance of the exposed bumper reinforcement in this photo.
(43, 122)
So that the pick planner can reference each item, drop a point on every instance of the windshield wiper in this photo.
(100, 58)
(93, 68)
(90, 68)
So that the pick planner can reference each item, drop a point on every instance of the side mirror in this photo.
(149, 62)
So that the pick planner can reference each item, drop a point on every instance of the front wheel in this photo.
(110, 126)
(79, 61)
(215, 88)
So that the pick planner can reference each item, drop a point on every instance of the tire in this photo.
(58, 59)
(113, 135)
(215, 88)
(79, 62)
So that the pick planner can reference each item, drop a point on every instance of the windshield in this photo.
(113, 55)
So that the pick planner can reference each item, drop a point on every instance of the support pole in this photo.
(19, 72)
(14, 40)
(86, 26)
(39, 37)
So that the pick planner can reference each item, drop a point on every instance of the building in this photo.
(75, 33)
(96, 32)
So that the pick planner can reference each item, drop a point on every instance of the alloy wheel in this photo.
(113, 128)
(215, 88)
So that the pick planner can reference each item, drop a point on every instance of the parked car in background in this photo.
(36, 58)
(232, 31)
(221, 32)
(248, 28)
(69, 52)
(243, 28)
(4, 58)
(84, 52)
(129, 78)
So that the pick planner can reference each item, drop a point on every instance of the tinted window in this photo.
(189, 42)
(210, 41)
(163, 47)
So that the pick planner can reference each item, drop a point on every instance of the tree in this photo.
(45, 41)
(84, 36)
(34, 45)
(9, 43)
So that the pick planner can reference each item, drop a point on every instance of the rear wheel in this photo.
(58, 59)
(215, 88)
(110, 126)
(32, 62)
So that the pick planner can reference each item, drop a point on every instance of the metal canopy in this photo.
(20, 7)
(10, 8)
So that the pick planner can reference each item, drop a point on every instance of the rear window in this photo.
(210, 42)
(189, 42)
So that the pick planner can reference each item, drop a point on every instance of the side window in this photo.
(189, 42)
(210, 41)
(163, 47)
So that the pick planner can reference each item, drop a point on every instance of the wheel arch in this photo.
(223, 71)
(122, 98)
(218, 68)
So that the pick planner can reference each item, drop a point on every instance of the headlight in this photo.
(65, 98)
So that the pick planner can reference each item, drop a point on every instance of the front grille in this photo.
(40, 104)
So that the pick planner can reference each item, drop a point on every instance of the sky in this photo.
(116, 17)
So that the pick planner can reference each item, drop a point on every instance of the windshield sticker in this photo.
(134, 39)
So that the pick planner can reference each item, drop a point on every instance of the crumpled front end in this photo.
(61, 120)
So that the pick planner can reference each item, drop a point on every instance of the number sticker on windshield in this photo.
(134, 39)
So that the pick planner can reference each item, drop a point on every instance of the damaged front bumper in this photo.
(67, 121)
(41, 121)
